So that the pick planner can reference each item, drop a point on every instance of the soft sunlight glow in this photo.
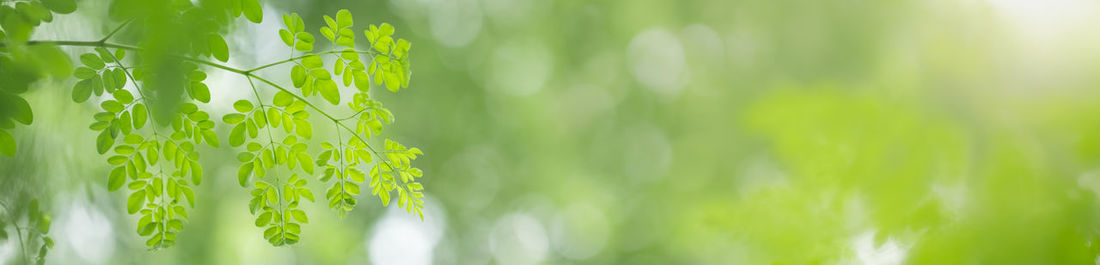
(656, 58)
(87, 232)
(9, 247)
(1047, 16)
(888, 254)
(455, 23)
(518, 239)
(401, 238)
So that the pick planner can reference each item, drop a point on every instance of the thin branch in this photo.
(341, 124)
(18, 231)
(116, 30)
(304, 56)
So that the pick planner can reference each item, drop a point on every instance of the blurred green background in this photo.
(659, 132)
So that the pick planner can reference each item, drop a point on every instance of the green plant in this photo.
(31, 225)
(153, 130)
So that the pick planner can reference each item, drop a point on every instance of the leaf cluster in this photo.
(156, 157)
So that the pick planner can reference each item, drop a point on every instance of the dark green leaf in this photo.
(60, 6)
(7, 144)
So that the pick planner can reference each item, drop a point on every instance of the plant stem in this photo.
(117, 29)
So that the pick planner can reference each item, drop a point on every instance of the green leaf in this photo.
(210, 137)
(304, 46)
(200, 92)
(103, 142)
(112, 106)
(123, 96)
(218, 47)
(303, 128)
(84, 72)
(196, 173)
(287, 37)
(236, 136)
(392, 83)
(385, 29)
(82, 90)
(116, 179)
(252, 10)
(233, 118)
(243, 172)
(356, 175)
(320, 73)
(120, 77)
(312, 61)
(97, 85)
(282, 99)
(263, 219)
(140, 115)
(133, 204)
(242, 106)
(109, 81)
(7, 144)
(327, 32)
(300, 216)
(124, 122)
(329, 91)
(298, 75)
(92, 61)
(306, 161)
(343, 18)
(16, 108)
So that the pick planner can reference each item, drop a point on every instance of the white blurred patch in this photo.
(647, 153)
(1046, 16)
(520, 68)
(704, 44)
(401, 238)
(580, 231)
(518, 239)
(656, 58)
(454, 23)
(889, 253)
(9, 247)
(85, 231)
(953, 196)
